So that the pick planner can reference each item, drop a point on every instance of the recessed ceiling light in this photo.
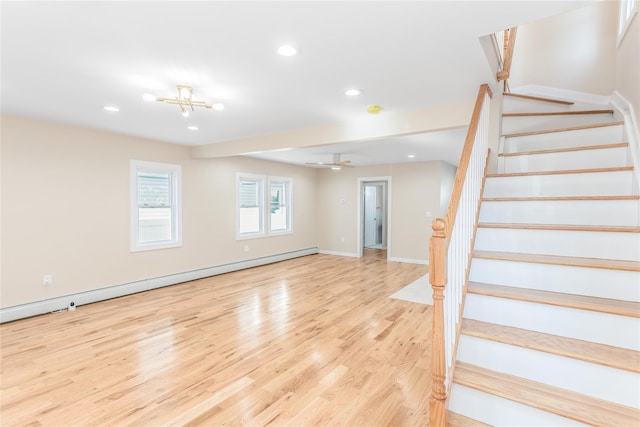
(353, 92)
(192, 127)
(111, 108)
(287, 50)
(147, 97)
(411, 156)
(218, 106)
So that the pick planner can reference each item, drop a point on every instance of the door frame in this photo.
(360, 210)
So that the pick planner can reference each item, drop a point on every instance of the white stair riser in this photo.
(497, 411)
(534, 123)
(584, 159)
(604, 328)
(566, 139)
(618, 183)
(576, 212)
(587, 244)
(591, 379)
(595, 282)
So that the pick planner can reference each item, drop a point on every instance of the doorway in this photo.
(373, 214)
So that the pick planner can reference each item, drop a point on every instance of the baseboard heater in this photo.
(22, 311)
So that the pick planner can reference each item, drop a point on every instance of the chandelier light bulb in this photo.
(185, 93)
(185, 113)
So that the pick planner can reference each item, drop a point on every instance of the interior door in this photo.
(370, 215)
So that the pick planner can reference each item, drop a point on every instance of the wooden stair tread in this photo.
(558, 113)
(602, 354)
(561, 172)
(576, 406)
(457, 420)
(562, 227)
(611, 264)
(567, 129)
(538, 98)
(581, 302)
(557, 198)
(565, 150)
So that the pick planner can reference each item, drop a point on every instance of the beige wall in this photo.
(415, 189)
(65, 211)
(572, 51)
(627, 81)
(447, 175)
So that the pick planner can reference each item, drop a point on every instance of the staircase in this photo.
(551, 326)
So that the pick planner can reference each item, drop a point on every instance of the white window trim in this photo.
(250, 177)
(176, 202)
(289, 182)
(624, 20)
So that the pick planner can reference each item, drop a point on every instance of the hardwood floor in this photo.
(310, 341)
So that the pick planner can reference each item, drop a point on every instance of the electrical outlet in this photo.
(246, 248)
(47, 280)
(342, 239)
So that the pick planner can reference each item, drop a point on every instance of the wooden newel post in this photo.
(438, 280)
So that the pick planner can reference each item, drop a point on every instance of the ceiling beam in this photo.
(371, 127)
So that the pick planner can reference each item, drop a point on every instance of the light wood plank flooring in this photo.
(310, 341)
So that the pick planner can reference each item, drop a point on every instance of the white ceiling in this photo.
(63, 61)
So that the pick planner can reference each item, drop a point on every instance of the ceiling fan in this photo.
(336, 164)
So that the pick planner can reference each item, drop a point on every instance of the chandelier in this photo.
(184, 100)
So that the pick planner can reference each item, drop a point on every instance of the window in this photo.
(250, 205)
(628, 8)
(280, 205)
(263, 212)
(155, 206)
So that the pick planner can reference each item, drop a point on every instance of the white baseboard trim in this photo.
(22, 311)
(625, 108)
(410, 261)
(336, 253)
(571, 95)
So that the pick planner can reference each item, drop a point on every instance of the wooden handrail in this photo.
(509, 44)
(438, 265)
(465, 156)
